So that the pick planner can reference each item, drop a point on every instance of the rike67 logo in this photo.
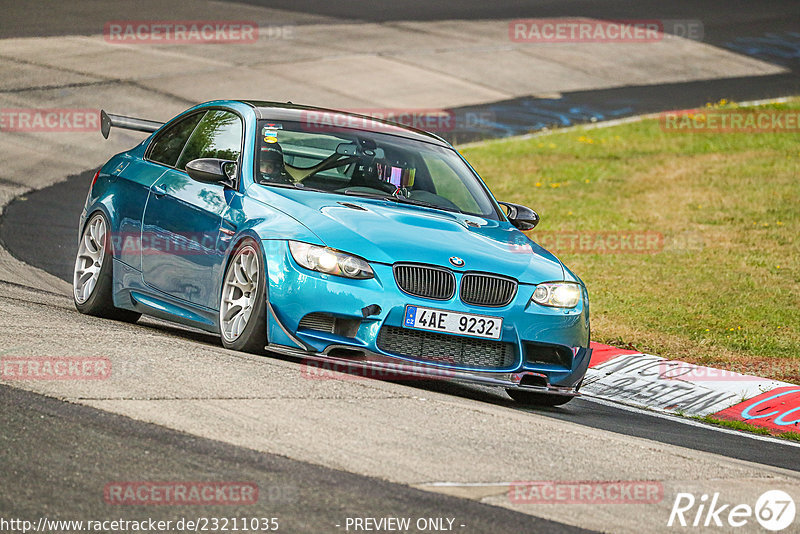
(774, 510)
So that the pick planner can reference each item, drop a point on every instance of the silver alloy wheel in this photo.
(91, 253)
(239, 293)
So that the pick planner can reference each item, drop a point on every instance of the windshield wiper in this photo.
(399, 199)
(415, 202)
(277, 184)
(296, 185)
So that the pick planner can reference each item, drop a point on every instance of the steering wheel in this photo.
(331, 162)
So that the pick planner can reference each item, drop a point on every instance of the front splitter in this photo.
(375, 366)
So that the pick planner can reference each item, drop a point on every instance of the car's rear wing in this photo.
(107, 120)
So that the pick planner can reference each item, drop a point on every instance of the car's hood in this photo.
(388, 232)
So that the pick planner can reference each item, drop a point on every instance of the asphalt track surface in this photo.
(45, 442)
(723, 20)
(767, 31)
(79, 450)
(54, 252)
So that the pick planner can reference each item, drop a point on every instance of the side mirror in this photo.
(212, 170)
(522, 217)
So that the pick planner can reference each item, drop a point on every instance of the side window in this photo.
(169, 144)
(218, 135)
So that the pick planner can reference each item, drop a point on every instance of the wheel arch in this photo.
(104, 206)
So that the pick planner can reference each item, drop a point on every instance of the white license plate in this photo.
(465, 324)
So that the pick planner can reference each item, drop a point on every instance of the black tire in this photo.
(100, 301)
(253, 338)
(531, 398)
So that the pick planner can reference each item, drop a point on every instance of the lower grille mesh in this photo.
(442, 348)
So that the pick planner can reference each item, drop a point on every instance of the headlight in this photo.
(557, 294)
(329, 261)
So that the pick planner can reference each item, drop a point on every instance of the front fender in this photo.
(252, 214)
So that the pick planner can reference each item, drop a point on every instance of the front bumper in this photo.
(295, 292)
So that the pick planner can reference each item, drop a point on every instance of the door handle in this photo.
(159, 191)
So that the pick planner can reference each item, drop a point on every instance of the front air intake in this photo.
(325, 322)
(538, 353)
(318, 321)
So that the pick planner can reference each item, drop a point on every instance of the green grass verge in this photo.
(724, 289)
(739, 425)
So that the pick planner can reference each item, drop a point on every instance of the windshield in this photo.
(369, 164)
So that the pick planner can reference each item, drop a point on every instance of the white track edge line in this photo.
(688, 421)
